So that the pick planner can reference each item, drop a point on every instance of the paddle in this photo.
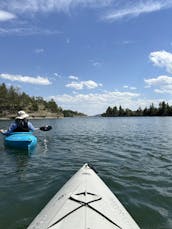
(45, 128)
(42, 128)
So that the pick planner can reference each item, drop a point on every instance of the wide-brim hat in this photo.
(22, 115)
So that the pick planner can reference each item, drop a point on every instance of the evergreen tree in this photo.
(115, 111)
(109, 112)
(52, 106)
(138, 112)
(11, 100)
(163, 109)
(121, 111)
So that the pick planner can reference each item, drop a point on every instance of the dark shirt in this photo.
(14, 126)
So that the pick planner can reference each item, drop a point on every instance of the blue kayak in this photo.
(21, 140)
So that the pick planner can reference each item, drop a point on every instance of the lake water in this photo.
(132, 155)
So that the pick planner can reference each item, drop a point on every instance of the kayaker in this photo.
(21, 124)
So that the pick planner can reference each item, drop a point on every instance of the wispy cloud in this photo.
(127, 42)
(130, 8)
(161, 84)
(136, 8)
(162, 59)
(95, 103)
(117, 9)
(51, 5)
(167, 89)
(26, 31)
(6, 16)
(39, 50)
(129, 87)
(96, 64)
(56, 74)
(160, 80)
(89, 84)
(26, 79)
(73, 77)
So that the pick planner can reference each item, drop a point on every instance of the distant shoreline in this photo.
(31, 117)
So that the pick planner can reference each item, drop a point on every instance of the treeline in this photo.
(12, 100)
(70, 113)
(164, 109)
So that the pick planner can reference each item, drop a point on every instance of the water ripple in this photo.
(132, 155)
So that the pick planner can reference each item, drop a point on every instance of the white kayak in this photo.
(84, 202)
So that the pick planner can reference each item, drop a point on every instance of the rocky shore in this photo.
(38, 115)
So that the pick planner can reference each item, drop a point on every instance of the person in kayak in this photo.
(21, 124)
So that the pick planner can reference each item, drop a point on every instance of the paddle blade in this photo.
(45, 128)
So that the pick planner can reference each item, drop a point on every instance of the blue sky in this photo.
(88, 54)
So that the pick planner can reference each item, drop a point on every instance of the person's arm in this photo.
(11, 128)
(31, 127)
(2, 131)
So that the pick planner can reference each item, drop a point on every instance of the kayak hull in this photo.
(21, 140)
(84, 202)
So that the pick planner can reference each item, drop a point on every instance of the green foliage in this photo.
(52, 106)
(12, 100)
(163, 110)
(70, 113)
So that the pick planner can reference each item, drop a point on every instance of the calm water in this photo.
(132, 155)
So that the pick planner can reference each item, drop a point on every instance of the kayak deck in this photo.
(21, 140)
(84, 202)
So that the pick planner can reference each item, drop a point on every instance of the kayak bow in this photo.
(84, 202)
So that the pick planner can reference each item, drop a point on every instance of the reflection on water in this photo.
(45, 145)
(132, 155)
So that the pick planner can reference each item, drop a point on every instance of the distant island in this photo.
(164, 109)
(12, 100)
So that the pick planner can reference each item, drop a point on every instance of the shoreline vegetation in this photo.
(12, 100)
(164, 109)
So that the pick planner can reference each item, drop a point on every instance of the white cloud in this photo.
(135, 8)
(162, 59)
(96, 64)
(51, 5)
(10, 8)
(97, 103)
(27, 31)
(89, 84)
(128, 87)
(160, 80)
(75, 85)
(127, 42)
(167, 89)
(133, 88)
(40, 50)
(57, 75)
(26, 79)
(130, 8)
(73, 77)
(161, 84)
(6, 16)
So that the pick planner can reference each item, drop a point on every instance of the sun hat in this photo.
(22, 115)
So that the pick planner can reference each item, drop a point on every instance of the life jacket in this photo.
(22, 125)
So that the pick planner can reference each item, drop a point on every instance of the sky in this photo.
(88, 54)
